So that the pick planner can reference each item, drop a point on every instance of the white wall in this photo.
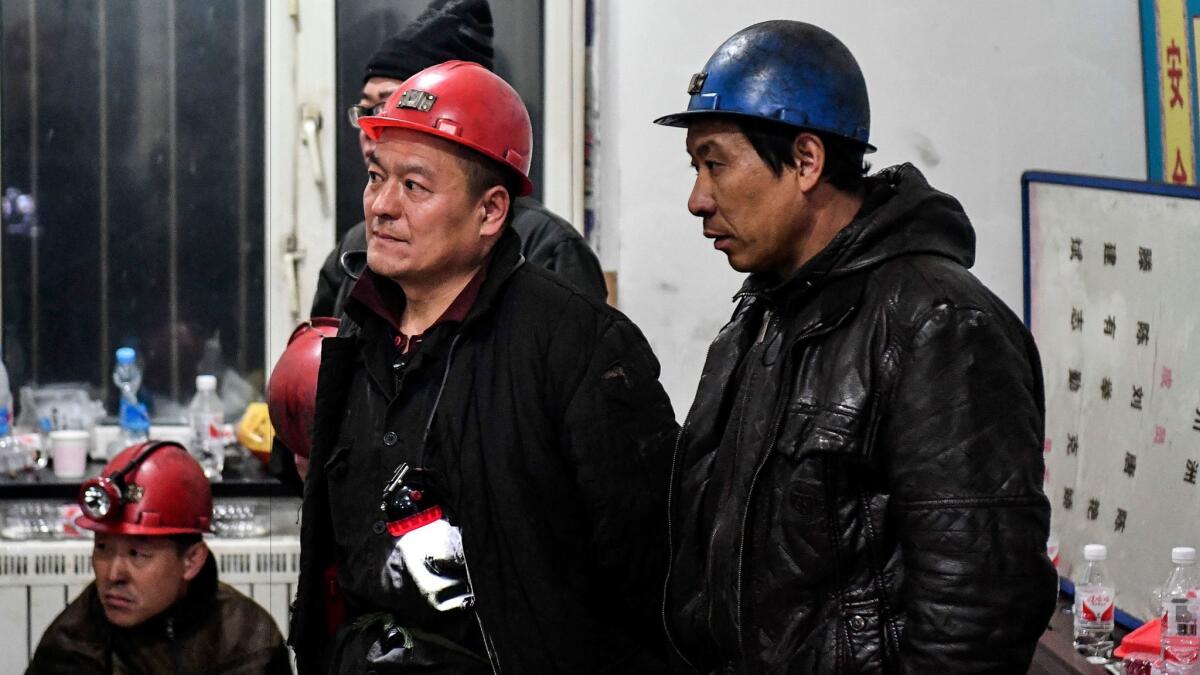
(972, 92)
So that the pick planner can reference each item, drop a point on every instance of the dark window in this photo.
(136, 131)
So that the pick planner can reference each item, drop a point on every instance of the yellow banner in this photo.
(1175, 90)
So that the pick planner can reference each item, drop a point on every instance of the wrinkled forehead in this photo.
(708, 135)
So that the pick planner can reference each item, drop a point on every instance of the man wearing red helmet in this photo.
(490, 444)
(156, 605)
(449, 30)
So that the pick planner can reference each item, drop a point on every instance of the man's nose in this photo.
(383, 200)
(701, 202)
(118, 569)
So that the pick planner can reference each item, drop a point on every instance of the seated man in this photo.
(156, 605)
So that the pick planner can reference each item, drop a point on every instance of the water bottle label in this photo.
(1181, 616)
(1094, 603)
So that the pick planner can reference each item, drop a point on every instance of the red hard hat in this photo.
(292, 391)
(152, 488)
(467, 104)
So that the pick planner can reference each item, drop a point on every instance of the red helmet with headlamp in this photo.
(153, 488)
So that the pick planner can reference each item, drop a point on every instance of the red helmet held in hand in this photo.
(152, 488)
(467, 104)
(292, 391)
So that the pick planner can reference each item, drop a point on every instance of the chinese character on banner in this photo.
(1175, 73)
(1068, 498)
(1072, 444)
(1110, 253)
(1160, 434)
(1076, 249)
(1145, 263)
(1076, 319)
(1179, 174)
(1119, 524)
(1136, 402)
(1110, 326)
(1074, 380)
(1130, 464)
(1196, 420)
(1189, 471)
(1143, 333)
(1093, 511)
(1165, 381)
(1106, 389)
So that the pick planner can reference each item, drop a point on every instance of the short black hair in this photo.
(483, 173)
(844, 165)
(184, 541)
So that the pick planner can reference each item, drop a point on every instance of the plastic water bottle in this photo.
(132, 416)
(1095, 605)
(1181, 614)
(6, 398)
(207, 416)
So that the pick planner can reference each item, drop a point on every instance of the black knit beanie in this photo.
(447, 30)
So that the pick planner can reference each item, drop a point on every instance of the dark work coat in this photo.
(214, 629)
(552, 436)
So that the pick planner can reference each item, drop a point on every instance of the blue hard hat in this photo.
(784, 71)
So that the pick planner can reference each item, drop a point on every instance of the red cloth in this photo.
(1146, 638)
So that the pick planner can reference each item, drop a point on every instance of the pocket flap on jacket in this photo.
(831, 431)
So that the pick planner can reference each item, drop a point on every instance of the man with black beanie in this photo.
(449, 30)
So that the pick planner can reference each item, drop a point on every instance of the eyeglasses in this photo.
(359, 111)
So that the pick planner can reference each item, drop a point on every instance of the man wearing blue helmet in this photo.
(858, 487)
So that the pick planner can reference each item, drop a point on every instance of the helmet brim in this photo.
(684, 119)
(133, 529)
(374, 126)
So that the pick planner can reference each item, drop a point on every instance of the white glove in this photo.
(433, 555)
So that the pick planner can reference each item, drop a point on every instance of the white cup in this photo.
(69, 452)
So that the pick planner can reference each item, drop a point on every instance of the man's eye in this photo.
(410, 184)
(373, 177)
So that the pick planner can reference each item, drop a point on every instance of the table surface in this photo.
(246, 477)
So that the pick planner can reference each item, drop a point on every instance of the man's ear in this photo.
(495, 204)
(809, 153)
(194, 558)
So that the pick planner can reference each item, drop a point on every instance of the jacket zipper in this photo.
(493, 657)
(768, 318)
(174, 644)
(488, 644)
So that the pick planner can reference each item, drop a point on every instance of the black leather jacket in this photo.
(858, 487)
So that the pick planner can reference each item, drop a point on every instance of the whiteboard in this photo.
(1112, 296)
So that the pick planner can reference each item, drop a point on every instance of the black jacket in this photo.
(553, 436)
(858, 487)
(546, 241)
(214, 629)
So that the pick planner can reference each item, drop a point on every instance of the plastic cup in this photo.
(69, 452)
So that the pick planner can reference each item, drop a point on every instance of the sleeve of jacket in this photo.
(963, 443)
(619, 431)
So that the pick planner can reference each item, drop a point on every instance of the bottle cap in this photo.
(206, 383)
(1095, 552)
(126, 355)
(1183, 555)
